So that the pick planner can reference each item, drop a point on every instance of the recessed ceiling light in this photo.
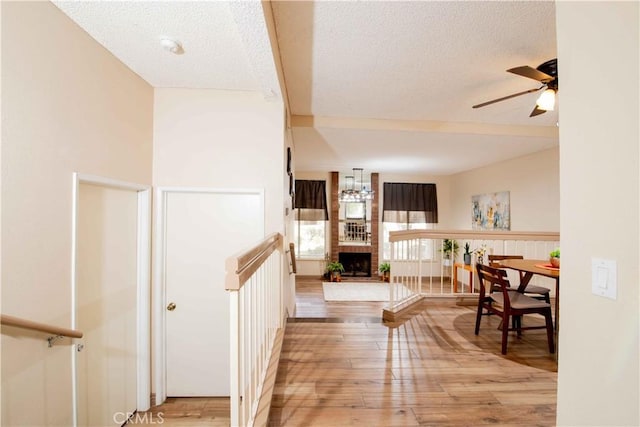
(171, 45)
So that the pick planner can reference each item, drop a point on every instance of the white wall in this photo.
(598, 57)
(533, 185)
(68, 105)
(221, 139)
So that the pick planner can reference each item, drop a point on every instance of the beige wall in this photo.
(533, 185)
(68, 105)
(222, 139)
(598, 51)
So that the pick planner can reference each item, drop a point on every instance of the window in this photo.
(310, 214)
(410, 203)
(309, 237)
(427, 245)
(408, 206)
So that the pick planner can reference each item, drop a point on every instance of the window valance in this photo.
(410, 203)
(311, 200)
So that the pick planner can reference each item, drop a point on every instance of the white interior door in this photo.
(106, 289)
(201, 231)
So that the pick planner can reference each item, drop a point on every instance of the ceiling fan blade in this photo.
(532, 73)
(537, 111)
(493, 101)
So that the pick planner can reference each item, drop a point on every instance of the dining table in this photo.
(531, 267)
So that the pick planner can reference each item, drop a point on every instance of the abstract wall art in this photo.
(491, 211)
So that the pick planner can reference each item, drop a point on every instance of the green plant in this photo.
(385, 267)
(335, 266)
(555, 253)
(467, 248)
(450, 247)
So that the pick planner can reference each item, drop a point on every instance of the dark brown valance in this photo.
(410, 203)
(311, 200)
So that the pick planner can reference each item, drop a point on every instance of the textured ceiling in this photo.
(214, 54)
(413, 60)
(417, 65)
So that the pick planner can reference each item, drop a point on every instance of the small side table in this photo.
(469, 268)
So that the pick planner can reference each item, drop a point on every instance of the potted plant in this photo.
(385, 269)
(467, 254)
(554, 258)
(335, 270)
(449, 247)
(480, 253)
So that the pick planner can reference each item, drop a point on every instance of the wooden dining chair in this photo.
(509, 304)
(539, 292)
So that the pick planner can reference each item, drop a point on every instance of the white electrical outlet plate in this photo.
(603, 278)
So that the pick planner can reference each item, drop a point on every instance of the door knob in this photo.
(171, 306)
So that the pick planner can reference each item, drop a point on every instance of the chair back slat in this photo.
(496, 279)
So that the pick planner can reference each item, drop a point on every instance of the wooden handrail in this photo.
(40, 327)
(292, 255)
(241, 266)
(396, 236)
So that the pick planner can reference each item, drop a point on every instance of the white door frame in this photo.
(143, 267)
(159, 276)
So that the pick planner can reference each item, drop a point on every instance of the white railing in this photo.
(254, 280)
(418, 267)
(354, 231)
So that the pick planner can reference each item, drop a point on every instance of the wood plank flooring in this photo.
(342, 366)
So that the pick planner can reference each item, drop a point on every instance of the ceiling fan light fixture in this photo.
(547, 100)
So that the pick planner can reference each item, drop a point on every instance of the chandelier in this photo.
(351, 194)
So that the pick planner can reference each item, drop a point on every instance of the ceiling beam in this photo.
(424, 126)
(254, 32)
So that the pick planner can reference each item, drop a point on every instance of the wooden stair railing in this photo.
(255, 280)
(57, 331)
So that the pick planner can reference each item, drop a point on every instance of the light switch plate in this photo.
(603, 278)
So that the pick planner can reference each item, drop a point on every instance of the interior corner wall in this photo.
(598, 373)
(533, 185)
(68, 106)
(221, 139)
(287, 267)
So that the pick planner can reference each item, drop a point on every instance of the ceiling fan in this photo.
(547, 74)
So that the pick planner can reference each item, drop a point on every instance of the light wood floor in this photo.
(340, 365)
